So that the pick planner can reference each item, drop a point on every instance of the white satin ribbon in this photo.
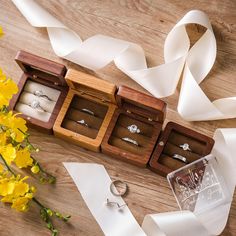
(161, 81)
(93, 183)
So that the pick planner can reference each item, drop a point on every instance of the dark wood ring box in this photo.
(87, 110)
(171, 142)
(44, 72)
(142, 110)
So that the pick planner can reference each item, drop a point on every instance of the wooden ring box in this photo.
(90, 93)
(44, 72)
(142, 110)
(174, 136)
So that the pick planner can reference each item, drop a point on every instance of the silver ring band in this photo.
(88, 111)
(185, 147)
(133, 129)
(114, 191)
(110, 203)
(35, 104)
(129, 140)
(181, 158)
(82, 122)
(39, 93)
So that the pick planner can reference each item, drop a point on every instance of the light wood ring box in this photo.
(134, 108)
(91, 93)
(168, 144)
(45, 72)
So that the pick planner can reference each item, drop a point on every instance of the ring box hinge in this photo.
(92, 95)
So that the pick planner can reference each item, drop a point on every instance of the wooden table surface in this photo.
(143, 22)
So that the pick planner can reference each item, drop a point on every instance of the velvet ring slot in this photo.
(87, 110)
(42, 89)
(146, 114)
(171, 143)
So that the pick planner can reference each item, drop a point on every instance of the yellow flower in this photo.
(21, 204)
(6, 188)
(18, 128)
(3, 139)
(35, 169)
(1, 168)
(20, 189)
(1, 32)
(7, 88)
(8, 152)
(23, 158)
(15, 126)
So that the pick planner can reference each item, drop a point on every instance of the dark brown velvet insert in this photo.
(75, 114)
(173, 147)
(120, 131)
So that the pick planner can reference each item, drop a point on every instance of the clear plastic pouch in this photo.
(199, 185)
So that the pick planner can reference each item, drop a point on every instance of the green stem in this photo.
(41, 169)
(8, 167)
(38, 203)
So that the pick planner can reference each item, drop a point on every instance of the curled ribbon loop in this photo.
(161, 81)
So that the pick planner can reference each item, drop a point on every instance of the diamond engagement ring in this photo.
(88, 111)
(129, 140)
(39, 93)
(133, 129)
(185, 147)
(181, 158)
(82, 122)
(35, 104)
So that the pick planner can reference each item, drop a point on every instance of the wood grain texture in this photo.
(141, 104)
(82, 140)
(191, 137)
(146, 23)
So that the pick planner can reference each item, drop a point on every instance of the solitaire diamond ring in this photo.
(181, 158)
(82, 122)
(185, 147)
(129, 140)
(88, 111)
(133, 129)
(35, 104)
(39, 93)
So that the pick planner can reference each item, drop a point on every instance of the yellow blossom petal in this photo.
(20, 189)
(1, 31)
(1, 168)
(20, 204)
(7, 188)
(8, 153)
(7, 199)
(23, 158)
(18, 126)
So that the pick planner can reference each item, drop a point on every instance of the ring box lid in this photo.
(91, 86)
(41, 68)
(141, 104)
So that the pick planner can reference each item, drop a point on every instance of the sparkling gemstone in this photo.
(35, 104)
(133, 129)
(38, 92)
(185, 146)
